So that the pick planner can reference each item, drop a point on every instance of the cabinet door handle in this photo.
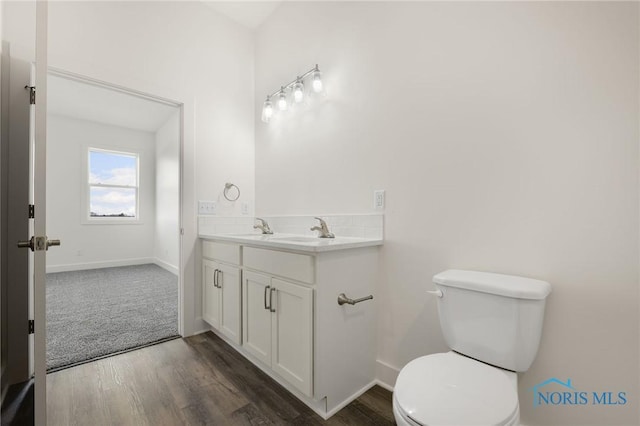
(271, 308)
(215, 278)
(265, 297)
(220, 278)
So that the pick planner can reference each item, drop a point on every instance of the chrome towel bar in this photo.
(342, 299)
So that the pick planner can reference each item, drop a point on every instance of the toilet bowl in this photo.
(492, 323)
(451, 389)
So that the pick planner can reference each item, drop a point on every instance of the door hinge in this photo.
(32, 211)
(31, 326)
(32, 94)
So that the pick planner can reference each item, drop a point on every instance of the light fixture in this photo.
(297, 90)
(282, 100)
(267, 110)
(317, 80)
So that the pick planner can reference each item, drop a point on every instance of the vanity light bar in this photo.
(296, 88)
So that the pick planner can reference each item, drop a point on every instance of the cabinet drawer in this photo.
(223, 252)
(297, 267)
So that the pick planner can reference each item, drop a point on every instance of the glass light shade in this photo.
(298, 91)
(317, 81)
(267, 110)
(282, 102)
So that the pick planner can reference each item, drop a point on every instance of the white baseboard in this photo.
(200, 326)
(348, 401)
(384, 386)
(166, 266)
(386, 375)
(97, 265)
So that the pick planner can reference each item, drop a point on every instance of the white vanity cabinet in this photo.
(292, 325)
(292, 334)
(278, 314)
(221, 288)
(256, 316)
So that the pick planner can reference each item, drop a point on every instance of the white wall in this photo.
(179, 50)
(506, 137)
(89, 245)
(167, 242)
(21, 38)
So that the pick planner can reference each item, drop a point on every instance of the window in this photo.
(113, 185)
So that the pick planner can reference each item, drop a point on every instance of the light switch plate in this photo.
(378, 199)
(207, 207)
(244, 208)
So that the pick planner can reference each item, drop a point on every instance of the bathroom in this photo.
(505, 136)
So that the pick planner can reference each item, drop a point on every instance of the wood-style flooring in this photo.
(199, 380)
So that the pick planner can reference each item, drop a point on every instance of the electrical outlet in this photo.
(378, 199)
(207, 207)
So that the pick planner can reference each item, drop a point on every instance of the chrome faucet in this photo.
(263, 226)
(323, 230)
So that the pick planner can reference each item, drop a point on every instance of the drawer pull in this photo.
(271, 308)
(266, 289)
(342, 299)
(215, 278)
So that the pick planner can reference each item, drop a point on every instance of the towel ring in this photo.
(227, 187)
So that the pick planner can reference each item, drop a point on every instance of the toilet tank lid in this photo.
(487, 282)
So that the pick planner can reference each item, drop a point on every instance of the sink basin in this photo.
(280, 238)
(297, 239)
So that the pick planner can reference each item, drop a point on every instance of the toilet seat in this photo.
(451, 389)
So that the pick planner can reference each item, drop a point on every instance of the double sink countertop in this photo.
(295, 242)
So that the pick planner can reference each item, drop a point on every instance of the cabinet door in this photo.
(230, 290)
(210, 294)
(256, 319)
(292, 330)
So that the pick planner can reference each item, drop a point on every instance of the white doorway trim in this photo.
(99, 83)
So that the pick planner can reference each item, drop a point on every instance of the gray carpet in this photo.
(98, 312)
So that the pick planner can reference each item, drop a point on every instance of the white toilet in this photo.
(492, 323)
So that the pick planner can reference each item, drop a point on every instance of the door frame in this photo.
(182, 320)
(39, 176)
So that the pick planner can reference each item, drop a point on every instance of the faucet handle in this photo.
(263, 226)
(322, 222)
(323, 229)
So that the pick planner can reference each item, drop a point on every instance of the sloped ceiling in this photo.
(250, 14)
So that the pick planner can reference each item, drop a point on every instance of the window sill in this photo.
(108, 221)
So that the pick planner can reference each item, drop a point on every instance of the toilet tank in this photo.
(493, 318)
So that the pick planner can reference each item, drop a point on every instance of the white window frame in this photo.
(111, 220)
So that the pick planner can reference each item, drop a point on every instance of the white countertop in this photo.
(295, 242)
